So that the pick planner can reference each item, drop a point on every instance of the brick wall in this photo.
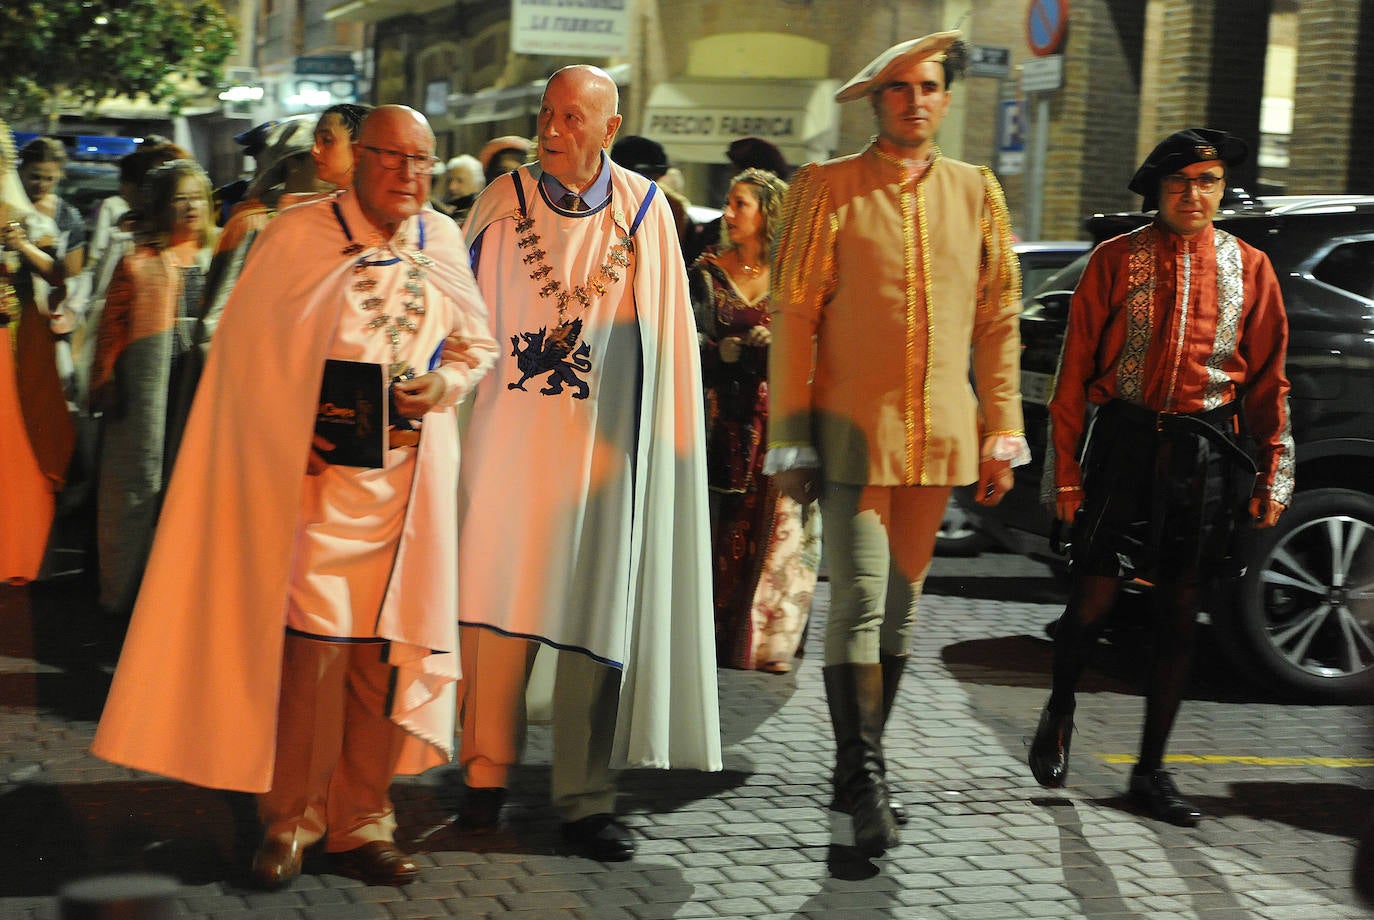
(1334, 99)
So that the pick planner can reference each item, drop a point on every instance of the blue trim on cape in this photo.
(562, 647)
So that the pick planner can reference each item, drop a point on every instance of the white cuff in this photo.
(1008, 447)
(780, 459)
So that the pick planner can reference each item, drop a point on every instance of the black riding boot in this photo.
(894, 666)
(855, 695)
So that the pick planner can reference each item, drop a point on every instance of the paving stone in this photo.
(984, 841)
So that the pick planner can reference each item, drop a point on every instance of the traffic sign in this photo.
(988, 61)
(1011, 139)
(1047, 21)
(1042, 74)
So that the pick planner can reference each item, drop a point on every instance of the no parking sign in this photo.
(1046, 23)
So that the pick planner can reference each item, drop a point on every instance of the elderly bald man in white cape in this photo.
(295, 634)
(585, 480)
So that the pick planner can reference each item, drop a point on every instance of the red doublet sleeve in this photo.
(1078, 367)
(1263, 346)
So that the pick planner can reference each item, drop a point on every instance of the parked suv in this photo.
(1040, 261)
(1302, 616)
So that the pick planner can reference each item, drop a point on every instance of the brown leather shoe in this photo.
(276, 862)
(376, 863)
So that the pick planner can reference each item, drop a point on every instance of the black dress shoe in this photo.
(600, 837)
(276, 862)
(1156, 793)
(480, 812)
(1049, 750)
(376, 863)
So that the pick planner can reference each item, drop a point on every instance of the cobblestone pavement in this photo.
(1286, 799)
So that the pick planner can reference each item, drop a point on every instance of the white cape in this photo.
(660, 628)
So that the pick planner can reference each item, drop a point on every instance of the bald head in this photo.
(394, 152)
(577, 120)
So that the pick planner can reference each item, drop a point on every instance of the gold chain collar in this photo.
(581, 296)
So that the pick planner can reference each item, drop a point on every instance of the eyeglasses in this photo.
(420, 163)
(1178, 185)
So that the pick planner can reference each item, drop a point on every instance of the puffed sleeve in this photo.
(997, 332)
(803, 281)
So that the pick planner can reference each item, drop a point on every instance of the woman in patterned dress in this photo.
(765, 548)
(153, 338)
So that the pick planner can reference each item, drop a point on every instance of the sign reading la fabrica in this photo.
(598, 28)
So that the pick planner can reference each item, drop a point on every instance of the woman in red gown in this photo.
(765, 549)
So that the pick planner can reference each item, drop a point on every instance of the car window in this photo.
(1032, 276)
(1065, 279)
(1350, 267)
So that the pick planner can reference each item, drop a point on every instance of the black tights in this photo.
(1175, 626)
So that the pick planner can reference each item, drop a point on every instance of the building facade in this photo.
(1292, 78)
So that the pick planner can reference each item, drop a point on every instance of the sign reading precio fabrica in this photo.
(728, 126)
(598, 28)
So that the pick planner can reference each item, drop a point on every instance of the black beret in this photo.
(757, 153)
(1183, 148)
(641, 155)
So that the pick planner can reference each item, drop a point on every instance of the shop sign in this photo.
(599, 28)
(728, 126)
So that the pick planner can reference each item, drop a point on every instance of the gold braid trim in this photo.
(997, 232)
(918, 287)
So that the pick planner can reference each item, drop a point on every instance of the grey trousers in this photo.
(878, 543)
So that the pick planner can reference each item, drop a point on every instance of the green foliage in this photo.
(79, 52)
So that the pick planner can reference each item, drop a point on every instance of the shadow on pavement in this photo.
(1087, 877)
(1118, 664)
(849, 872)
(73, 648)
(1017, 588)
(750, 698)
(1332, 809)
(427, 808)
(53, 834)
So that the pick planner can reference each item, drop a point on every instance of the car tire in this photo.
(958, 534)
(1302, 615)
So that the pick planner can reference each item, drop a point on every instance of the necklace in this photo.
(750, 271)
(365, 285)
(580, 297)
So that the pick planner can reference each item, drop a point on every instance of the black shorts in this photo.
(1163, 492)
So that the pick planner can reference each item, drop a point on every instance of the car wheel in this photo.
(958, 536)
(1304, 610)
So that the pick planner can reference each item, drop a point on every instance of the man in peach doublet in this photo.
(895, 266)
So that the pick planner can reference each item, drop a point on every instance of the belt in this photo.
(1160, 420)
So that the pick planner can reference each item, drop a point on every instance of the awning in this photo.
(377, 10)
(499, 104)
(696, 119)
(488, 105)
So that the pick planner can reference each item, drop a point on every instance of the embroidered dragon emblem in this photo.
(558, 354)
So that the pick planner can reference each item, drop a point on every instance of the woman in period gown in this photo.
(152, 341)
(765, 548)
(36, 435)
